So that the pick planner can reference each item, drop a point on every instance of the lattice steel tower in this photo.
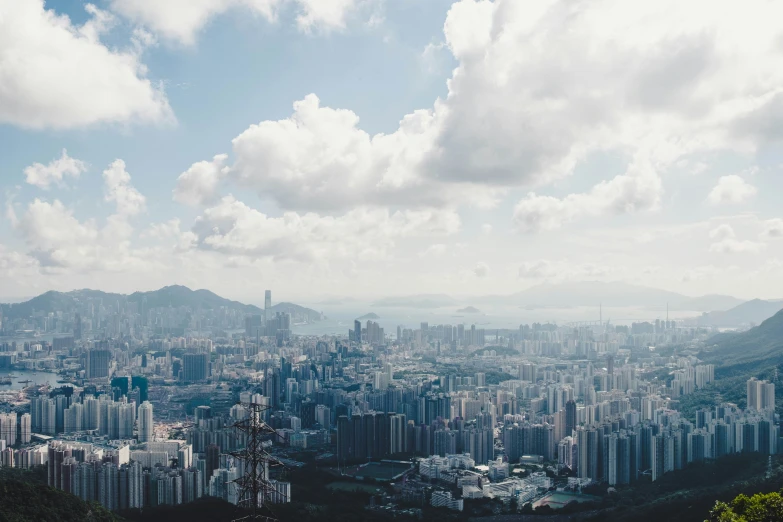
(254, 486)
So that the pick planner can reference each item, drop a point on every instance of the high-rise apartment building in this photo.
(97, 364)
(195, 367)
(760, 394)
(146, 425)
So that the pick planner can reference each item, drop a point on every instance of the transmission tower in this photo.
(253, 486)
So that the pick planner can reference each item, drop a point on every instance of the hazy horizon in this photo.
(371, 148)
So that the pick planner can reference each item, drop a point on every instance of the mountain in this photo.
(759, 346)
(299, 314)
(175, 296)
(21, 500)
(469, 310)
(710, 303)
(371, 316)
(416, 301)
(52, 301)
(748, 313)
(609, 294)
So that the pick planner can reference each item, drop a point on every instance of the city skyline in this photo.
(367, 148)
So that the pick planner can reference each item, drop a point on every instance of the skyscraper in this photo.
(267, 304)
(97, 366)
(77, 327)
(195, 367)
(357, 331)
(760, 394)
(145, 422)
(570, 417)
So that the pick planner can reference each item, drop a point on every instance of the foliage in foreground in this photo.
(758, 508)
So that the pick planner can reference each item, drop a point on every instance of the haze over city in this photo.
(373, 260)
(370, 148)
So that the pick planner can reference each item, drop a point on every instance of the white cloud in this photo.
(54, 74)
(639, 189)
(486, 228)
(539, 87)
(231, 227)
(199, 184)
(325, 15)
(182, 20)
(726, 242)
(544, 269)
(319, 159)
(118, 189)
(731, 189)
(43, 176)
(481, 269)
(773, 228)
(704, 272)
(436, 250)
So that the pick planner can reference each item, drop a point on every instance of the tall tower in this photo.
(145, 422)
(267, 305)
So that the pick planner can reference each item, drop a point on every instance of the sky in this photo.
(366, 148)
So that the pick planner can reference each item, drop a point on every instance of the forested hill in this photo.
(22, 501)
(175, 296)
(762, 344)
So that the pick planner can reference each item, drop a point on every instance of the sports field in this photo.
(558, 499)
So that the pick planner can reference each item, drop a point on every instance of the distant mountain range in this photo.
(564, 295)
(417, 301)
(761, 346)
(372, 316)
(749, 313)
(616, 294)
(175, 296)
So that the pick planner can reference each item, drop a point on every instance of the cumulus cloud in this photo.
(320, 159)
(726, 242)
(481, 269)
(731, 189)
(544, 269)
(701, 273)
(182, 20)
(199, 184)
(639, 189)
(54, 74)
(231, 227)
(118, 188)
(326, 15)
(773, 228)
(538, 88)
(486, 228)
(58, 240)
(436, 250)
(44, 176)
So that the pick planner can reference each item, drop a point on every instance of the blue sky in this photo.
(549, 141)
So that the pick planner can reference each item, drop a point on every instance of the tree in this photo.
(758, 508)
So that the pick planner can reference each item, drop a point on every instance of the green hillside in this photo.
(175, 296)
(761, 346)
(22, 501)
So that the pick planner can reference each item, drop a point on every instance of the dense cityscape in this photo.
(145, 405)
(391, 260)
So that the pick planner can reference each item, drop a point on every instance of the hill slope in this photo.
(750, 312)
(593, 293)
(762, 345)
(22, 501)
(175, 296)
